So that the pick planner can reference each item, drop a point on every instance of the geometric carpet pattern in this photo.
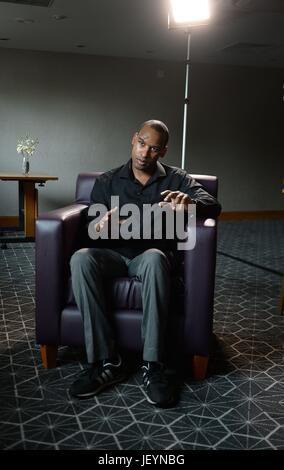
(239, 406)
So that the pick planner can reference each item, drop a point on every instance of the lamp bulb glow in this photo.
(190, 11)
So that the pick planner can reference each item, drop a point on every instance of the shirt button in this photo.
(139, 193)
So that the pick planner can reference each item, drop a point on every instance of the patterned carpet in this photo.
(239, 406)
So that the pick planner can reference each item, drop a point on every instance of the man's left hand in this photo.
(175, 198)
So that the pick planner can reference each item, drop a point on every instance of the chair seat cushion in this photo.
(122, 293)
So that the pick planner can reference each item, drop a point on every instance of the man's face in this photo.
(147, 147)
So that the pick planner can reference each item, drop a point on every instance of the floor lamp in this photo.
(186, 14)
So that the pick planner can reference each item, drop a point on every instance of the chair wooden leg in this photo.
(199, 367)
(48, 355)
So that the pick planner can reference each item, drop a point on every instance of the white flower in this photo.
(27, 146)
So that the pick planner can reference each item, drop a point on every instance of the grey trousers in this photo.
(92, 268)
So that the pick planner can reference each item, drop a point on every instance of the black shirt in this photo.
(122, 182)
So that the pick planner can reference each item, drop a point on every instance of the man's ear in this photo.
(134, 138)
(163, 152)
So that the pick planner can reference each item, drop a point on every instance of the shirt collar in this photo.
(126, 171)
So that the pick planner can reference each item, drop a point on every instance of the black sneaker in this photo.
(95, 379)
(158, 390)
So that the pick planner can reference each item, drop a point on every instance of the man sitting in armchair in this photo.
(143, 180)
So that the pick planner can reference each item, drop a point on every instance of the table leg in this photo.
(21, 207)
(30, 207)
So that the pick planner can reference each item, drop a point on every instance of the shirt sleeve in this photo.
(98, 196)
(99, 192)
(206, 204)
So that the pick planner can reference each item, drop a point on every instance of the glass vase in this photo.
(25, 165)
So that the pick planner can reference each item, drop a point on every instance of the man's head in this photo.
(148, 145)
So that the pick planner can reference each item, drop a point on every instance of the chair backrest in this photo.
(85, 183)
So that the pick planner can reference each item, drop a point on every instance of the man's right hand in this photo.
(105, 219)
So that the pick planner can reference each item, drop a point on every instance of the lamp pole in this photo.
(186, 103)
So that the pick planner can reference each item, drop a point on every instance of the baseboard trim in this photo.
(9, 221)
(250, 215)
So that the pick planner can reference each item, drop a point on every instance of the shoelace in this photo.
(93, 371)
(154, 373)
(104, 371)
(106, 362)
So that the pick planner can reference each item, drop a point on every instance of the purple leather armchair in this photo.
(58, 320)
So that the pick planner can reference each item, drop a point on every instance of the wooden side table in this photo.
(28, 205)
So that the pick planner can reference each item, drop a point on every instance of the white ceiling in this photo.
(241, 32)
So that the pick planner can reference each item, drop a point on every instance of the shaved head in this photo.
(159, 127)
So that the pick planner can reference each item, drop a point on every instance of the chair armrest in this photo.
(199, 275)
(57, 237)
